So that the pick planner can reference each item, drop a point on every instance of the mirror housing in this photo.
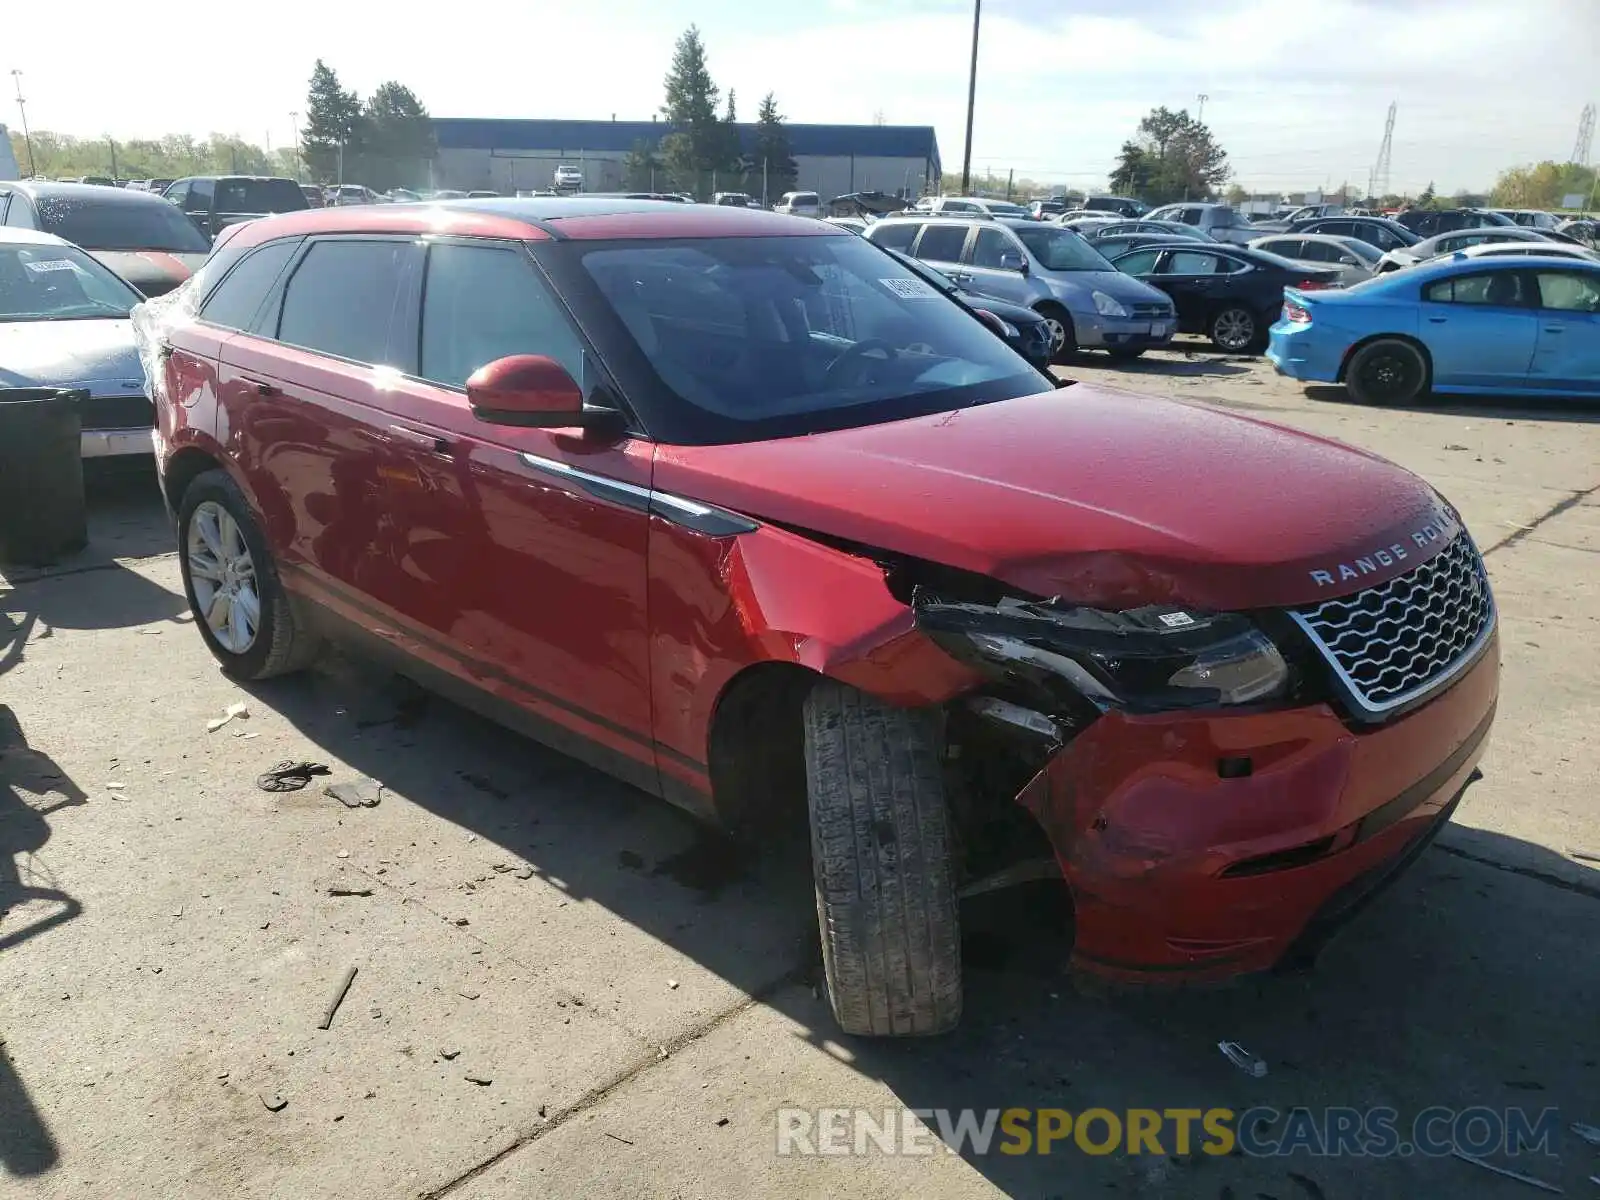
(529, 391)
(1010, 260)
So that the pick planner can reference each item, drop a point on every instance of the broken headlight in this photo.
(1145, 659)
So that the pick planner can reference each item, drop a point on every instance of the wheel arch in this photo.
(755, 747)
(1409, 339)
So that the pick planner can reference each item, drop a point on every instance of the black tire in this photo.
(1068, 349)
(1127, 353)
(881, 860)
(283, 644)
(1387, 371)
(1235, 329)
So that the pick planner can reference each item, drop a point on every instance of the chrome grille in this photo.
(1145, 309)
(1393, 643)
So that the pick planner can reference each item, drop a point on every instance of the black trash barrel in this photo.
(43, 516)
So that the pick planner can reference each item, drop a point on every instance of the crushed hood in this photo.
(99, 355)
(1100, 496)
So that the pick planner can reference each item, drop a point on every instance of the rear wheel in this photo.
(1063, 338)
(1387, 371)
(881, 860)
(1235, 329)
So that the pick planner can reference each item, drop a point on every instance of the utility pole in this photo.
(1201, 118)
(972, 95)
(22, 107)
(112, 142)
(294, 123)
(1011, 176)
(766, 201)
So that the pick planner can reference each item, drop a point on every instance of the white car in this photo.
(568, 178)
(800, 204)
(971, 204)
(1537, 249)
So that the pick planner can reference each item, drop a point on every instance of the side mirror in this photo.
(529, 391)
(1349, 260)
(1010, 260)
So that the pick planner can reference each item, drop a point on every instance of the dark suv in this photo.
(214, 202)
(737, 507)
(1427, 223)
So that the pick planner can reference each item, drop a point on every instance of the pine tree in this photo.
(772, 148)
(333, 116)
(400, 139)
(697, 143)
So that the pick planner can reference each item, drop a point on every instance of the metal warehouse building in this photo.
(512, 155)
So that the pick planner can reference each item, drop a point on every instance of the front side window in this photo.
(342, 298)
(58, 283)
(263, 196)
(774, 336)
(1061, 249)
(942, 243)
(1140, 262)
(120, 224)
(199, 197)
(1189, 216)
(481, 303)
(1569, 291)
(237, 299)
(991, 244)
(1498, 288)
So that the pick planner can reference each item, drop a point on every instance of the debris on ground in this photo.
(349, 888)
(615, 1138)
(273, 1101)
(467, 993)
(1507, 1173)
(1243, 1059)
(235, 712)
(338, 998)
(290, 775)
(363, 793)
(447, 1055)
(1588, 1133)
(116, 783)
(672, 985)
(525, 873)
(477, 1078)
(721, 1121)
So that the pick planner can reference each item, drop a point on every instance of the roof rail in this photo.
(927, 215)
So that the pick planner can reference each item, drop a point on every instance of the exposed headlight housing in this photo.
(1011, 330)
(1108, 306)
(1144, 660)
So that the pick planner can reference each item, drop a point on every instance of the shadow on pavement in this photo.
(1178, 361)
(126, 520)
(32, 788)
(1580, 410)
(1466, 984)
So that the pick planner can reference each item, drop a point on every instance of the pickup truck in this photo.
(213, 202)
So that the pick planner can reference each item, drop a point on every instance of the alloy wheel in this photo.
(1235, 329)
(1387, 376)
(223, 576)
(1057, 332)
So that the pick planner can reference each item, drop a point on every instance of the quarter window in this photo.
(480, 304)
(237, 299)
(342, 299)
(895, 235)
(942, 243)
(1187, 262)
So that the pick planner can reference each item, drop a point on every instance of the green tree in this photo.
(643, 170)
(1236, 195)
(1428, 199)
(1171, 156)
(697, 144)
(772, 149)
(333, 119)
(399, 139)
(1543, 185)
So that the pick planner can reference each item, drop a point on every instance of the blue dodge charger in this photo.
(1524, 326)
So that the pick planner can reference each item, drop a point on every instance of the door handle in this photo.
(1555, 328)
(417, 437)
(262, 387)
(1437, 320)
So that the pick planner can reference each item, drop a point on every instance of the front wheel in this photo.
(232, 584)
(1063, 338)
(1387, 371)
(1234, 329)
(881, 861)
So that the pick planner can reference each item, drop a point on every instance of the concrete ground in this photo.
(563, 990)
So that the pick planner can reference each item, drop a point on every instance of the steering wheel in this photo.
(856, 357)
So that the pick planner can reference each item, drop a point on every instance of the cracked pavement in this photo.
(564, 989)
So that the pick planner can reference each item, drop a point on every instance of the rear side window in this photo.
(479, 304)
(260, 196)
(1141, 262)
(342, 298)
(896, 235)
(1499, 288)
(1189, 216)
(237, 299)
(1187, 262)
(942, 243)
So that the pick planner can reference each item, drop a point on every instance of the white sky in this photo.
(1297, 89)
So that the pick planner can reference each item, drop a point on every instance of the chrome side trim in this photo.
(680, 510)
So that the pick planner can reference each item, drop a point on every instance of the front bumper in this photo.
(1178, 872)
(114, 443)
(1097, 332)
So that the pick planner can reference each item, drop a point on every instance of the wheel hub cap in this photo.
(222, 576)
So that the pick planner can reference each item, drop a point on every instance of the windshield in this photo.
(262, 196)
(58, 283)
(1061, 249)
(753, 338)
(120, 224)
(1366, 252)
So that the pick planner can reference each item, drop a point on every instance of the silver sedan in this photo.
(1356, 260)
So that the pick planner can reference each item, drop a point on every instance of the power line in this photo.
(1378, 181)
(1584, 146)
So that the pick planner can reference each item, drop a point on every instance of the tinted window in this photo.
(1060, 249)
(120, 224)
(808, 333)
(1140, 262)
(1501, 288)
(896, 235)
(1288, 247)
(177, 193)
(259, 196)
(480, 304)
(1190, 262)
(342, 297)
(199, 197)
(990, 246)
(1569, 291)
(239, 296)
(1189, 216)
(1312, 252)
(58, 283)
(942, 243)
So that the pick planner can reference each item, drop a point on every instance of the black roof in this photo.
(44, 189)
(253, 178)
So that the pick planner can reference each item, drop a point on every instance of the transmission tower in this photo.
(1584, 146)
(1380, 169)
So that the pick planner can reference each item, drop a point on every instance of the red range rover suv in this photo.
(733, 505)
